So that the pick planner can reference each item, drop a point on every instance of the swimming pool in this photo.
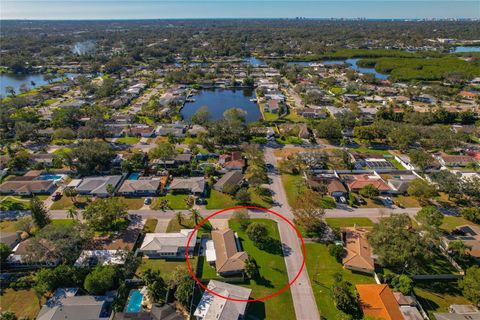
(54, 177)
(133, 176)
(135, 301)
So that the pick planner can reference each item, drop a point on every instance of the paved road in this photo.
(302, 293)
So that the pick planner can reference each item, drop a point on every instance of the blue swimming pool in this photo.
(135, 301)
(133, 176)
(54, 177)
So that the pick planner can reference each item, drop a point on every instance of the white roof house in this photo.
(101, 257)
(212, 307)
(157, 245)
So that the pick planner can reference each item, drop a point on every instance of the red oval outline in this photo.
(286, 287)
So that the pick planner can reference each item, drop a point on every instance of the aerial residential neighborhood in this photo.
(221, 169)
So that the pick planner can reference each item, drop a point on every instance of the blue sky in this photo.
(152, 9)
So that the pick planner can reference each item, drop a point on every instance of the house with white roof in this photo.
(212, 307)
(168, 245)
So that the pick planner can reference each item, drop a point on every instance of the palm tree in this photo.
(164, 204)
(72, 214)
(72, 193)
(189, 201)
(179, 217)
(195, 214)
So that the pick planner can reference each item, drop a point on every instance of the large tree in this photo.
(163, 151)
(92, 157)
(430, 220)
(58, 242)
(421, 159)
(101, 279)
(202, 116)
(397, 244)
(105, 214)
(156, 286)
(309, 213)
(39, 213)
(470, 284)
(421, 189)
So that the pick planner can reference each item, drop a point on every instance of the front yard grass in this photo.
(294, 185)
(14, 203)
(450, 223)
(322, 267)
(438, 296)
(219, 200)
(62, 222)
(273, 277)
(166, 267)
(24, 303)
(8, 226)
(348, 222)
(188, 223)
(175, 201)
(128, 140)
(133, 203)
(66, 202)
(150, 225)
(407, 201)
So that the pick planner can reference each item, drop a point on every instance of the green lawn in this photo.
(175, 201)
(438, 264)
(219, 200)
(8, 226)
(14, 203)
(349, 222)
(65, 202)
(208, 271)
(133, 203)
(166, 267)
(438, 296)
(150, 225)
(321, 268)
(24, 303)
(188, 223)
(293, 184)
(63, 222)
(450, 223)
(268, 116)
(128, 140)
(274, 277)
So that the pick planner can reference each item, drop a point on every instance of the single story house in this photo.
(97, 186)
(232, 161)
(229, 259)
(22, 257)
(168, 245)
(66, 304)
(377, 301)
(140, 131)
(109, 249)
(399, 184)
(449, 160)
(141, 187)
(215, 307)
(156, 312)
(334, 186)
(469, 235)
(231, 178)
(27, 187)
(358, 251)
(44, 158)
(192, 185)
(357, 182)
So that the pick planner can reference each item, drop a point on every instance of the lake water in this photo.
(467, 49)
(219, 100)
(352, 62)
(254, 61)
(30, 80)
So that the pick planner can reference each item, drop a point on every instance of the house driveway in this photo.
(162, 225)
(219, 224)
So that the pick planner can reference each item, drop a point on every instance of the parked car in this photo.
(360, 200)
(200, 201)
(343, 200)
(56, 196)
(147, 201)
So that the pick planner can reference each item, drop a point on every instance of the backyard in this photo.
(24, 303)
(438, 296)
(321, 269)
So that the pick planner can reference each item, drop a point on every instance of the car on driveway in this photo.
(147, 201)
(56, 196)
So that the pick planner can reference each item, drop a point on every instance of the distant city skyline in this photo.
(198, 9)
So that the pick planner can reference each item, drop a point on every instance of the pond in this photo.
(254, 61)
(218, 100)
(466, 49)
(17, 80)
